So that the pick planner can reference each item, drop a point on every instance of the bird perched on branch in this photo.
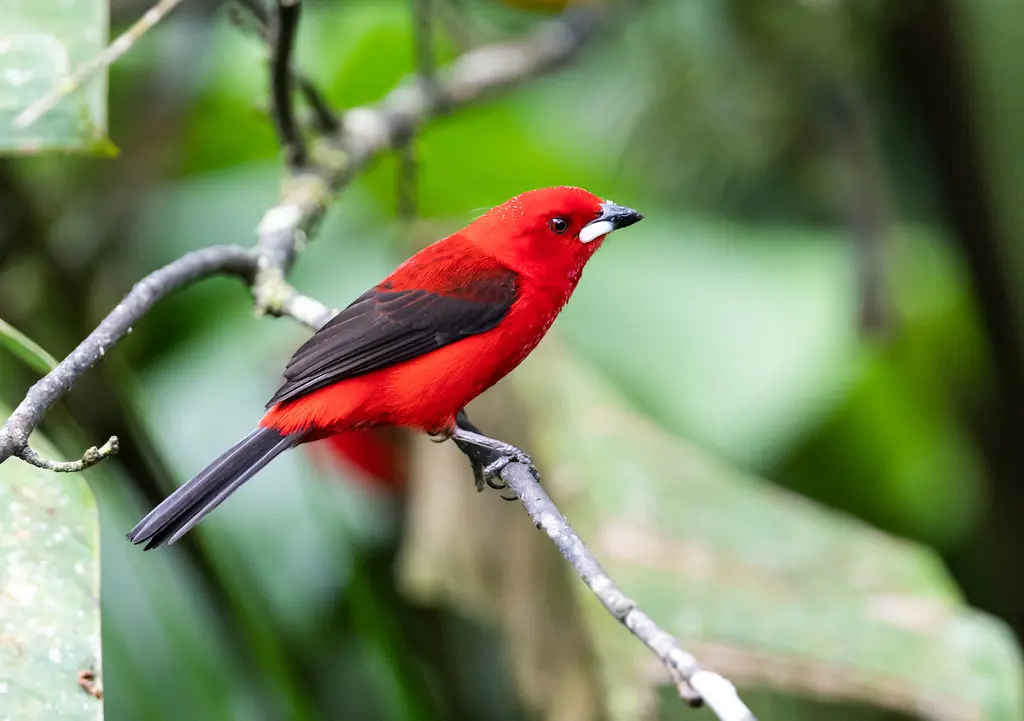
(412, 351)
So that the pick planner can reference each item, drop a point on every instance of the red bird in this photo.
(412, 351)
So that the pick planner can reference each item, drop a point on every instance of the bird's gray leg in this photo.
(487, 455)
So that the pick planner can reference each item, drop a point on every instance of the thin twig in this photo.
(407, 181)
(325, 120)
(111, 53)
(854, 140)
(215, 260)
(209, 261)
(426, 69)
(717, 692)
(282, 106)
(90, 458)
(423, 35)
(473, 76)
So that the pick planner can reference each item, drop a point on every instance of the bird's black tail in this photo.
(188, 505)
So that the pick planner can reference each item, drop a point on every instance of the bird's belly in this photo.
(428, 393)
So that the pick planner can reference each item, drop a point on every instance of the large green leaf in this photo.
(772, 590)
(815, 614)
(41, 43)
(743, 338)
(49, 593)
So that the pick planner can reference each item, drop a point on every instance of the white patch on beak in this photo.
(593, 231)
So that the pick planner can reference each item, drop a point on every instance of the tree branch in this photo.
(366, 132)
(282, 108)
(426, 68)
(90, 458)
(215, 260)
(714, 690)
(42, 395)
(325, 119)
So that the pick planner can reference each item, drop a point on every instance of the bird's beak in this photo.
(612, 217)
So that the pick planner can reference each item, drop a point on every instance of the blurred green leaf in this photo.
(919, 472)
(25, 348)
(41, 43)
(738, 335)
(49, 592)
(760, 584)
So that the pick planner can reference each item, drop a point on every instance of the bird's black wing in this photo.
(383, 327)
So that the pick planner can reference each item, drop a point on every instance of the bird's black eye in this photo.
(558, 225)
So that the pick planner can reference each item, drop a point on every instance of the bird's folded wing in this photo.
(383, 327)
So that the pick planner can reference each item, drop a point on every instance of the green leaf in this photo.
(41, 43)
(49, 593)
(25, 348)
(770, 589)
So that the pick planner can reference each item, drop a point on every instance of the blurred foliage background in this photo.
(827, 293)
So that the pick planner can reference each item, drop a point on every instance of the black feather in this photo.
(384, 327)
(188, 505)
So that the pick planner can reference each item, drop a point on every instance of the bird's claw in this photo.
(513, 455)
(491, 473)
(493, 470)
(489, 457)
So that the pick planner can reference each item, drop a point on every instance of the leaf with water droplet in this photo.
(49, 592)
(40, 46)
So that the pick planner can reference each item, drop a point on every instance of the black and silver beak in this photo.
(612, 217)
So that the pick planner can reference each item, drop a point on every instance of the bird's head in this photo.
(549, 233)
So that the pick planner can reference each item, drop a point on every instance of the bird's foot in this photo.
(488, 457)
(491, 473)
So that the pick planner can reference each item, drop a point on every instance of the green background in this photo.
(718, 343)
